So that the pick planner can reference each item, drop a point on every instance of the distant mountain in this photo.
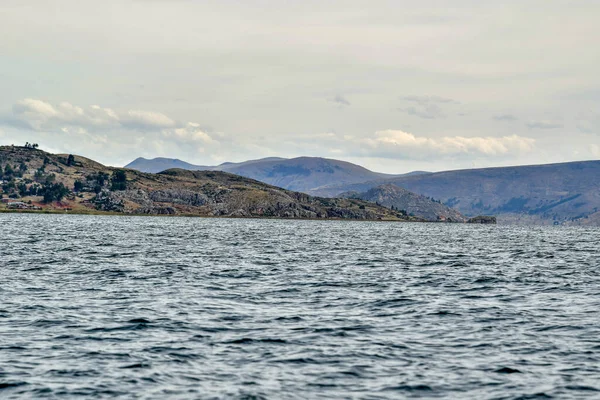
(160, 164)
(537, 194)
(305, 173)
(398, 198)
(300, 174)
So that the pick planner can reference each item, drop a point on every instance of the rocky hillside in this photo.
(398, 198)
(301, 174)
(566, 193)
(32, 178)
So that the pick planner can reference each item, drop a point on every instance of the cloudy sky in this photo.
(392, 85)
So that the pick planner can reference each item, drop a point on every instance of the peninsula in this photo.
(33, 180)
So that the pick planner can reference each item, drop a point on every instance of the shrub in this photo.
(54, 192)
(77, 186)
(119, 180)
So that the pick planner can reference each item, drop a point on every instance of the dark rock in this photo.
(507, 370)
(156, 210)
(482, 219)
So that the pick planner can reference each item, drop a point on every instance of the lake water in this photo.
(146, 307)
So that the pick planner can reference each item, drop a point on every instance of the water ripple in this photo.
(144, 307)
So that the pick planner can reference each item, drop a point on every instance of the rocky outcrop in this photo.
(136, 196)
(106, 201)
(406, 202)
(179, 196)
(482, 219)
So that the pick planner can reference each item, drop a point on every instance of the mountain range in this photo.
(304, 174)
(535, 194)
(563, 193)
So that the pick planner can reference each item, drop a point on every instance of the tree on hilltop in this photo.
(31, 145)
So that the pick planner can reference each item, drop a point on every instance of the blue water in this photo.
(145, 307)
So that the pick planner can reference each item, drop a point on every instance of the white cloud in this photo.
(595, 150)
(404, 145)
(146, 120)
(189, 134)
(94, 130)
(43, 116)
(34, 107)
(99, 114)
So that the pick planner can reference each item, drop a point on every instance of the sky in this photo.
(394, 86)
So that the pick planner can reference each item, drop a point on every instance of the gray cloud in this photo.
(589, 121)
(543, 124)
(431, 111)
(341, 100)
(505, 117)
(586, 127)
(424, 100)
(426, 107)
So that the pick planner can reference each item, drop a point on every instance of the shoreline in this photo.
(107, 213)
